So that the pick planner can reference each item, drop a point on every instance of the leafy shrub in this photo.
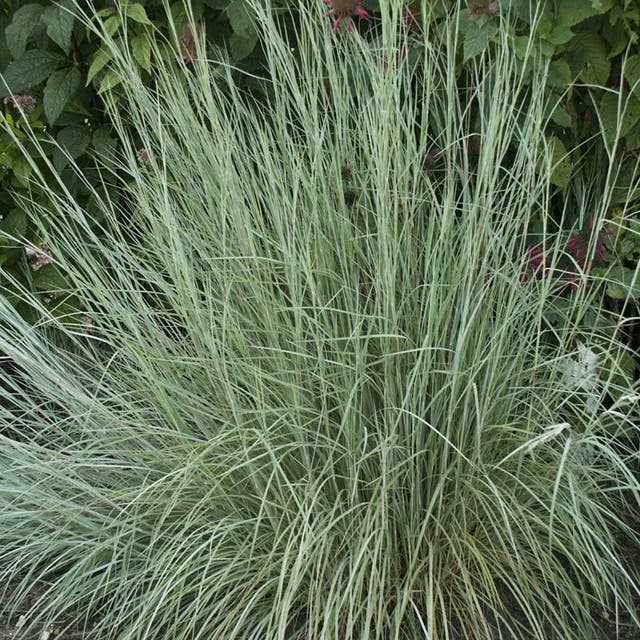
(315, 390)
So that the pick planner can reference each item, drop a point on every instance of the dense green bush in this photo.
(593, 86)
(55, 69)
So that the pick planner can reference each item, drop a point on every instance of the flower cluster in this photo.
(21, 102)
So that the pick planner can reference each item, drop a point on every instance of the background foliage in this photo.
(590, 47)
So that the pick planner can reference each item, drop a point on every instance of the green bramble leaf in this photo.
(560, 162)
(589, 58)
(110, 80)
(617, 117)
(137, 13)
(100, 59)
(632, 74)
(26, 21)
(572, 12)
(238, 12)
(72, 142)
(13, 228)
(59, 20)
(477, 39)
(48, 279)
(559, 74)
(34, 67)
(242, 45)
(60, 88)
(141, 49)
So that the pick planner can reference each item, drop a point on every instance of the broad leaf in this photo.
(141, 48)
(238, 12)
(242, 45)
(26, 21)
(13, 228)
(559, 74)
(60, 88)
(73, 142)
(571, 12)
(632, 74)
(477, 39)
(100, 59)
(137, 13)
(59, 21)
(617, 117)
(34, 67)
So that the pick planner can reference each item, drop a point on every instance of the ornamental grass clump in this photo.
(278, 415)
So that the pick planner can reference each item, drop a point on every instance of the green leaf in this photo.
(242, 45)
(477, 39)
(59, 21)
(103, 144)
(72, 141)
(112, 24)
(561, 117)
(238, 12)
(22, 171)
(141, 48)
(100, 59)
(559, 74)
(26, 21)
(137, 13)
(13, 228)
(48, 279)
(620, 284)
(560, 163)
(34, 67)
(589, 58)
(110, 80)
(632, 74)
(571, 12)
(60, 88)
(612, 127)
(559, 35)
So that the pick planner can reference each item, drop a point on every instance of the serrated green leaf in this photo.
(242, 46)
(110, 80)
(238, 12)
(26, 20)
(48, 279)
(73, 142)
(137, 13)
(561, 117)
(559, 74)
(34, 67)
(632, 74)
(60, 88)
(103, 144)
(100, 59)
(620, 282)
(559, 35)
(589, 58)
(141, 49)
(13, 228)
(59, 21)
(616, 125)
(22, 171)
(560, 163)
(521, 45)
(572, 12)
(112, 24)
(477, 39)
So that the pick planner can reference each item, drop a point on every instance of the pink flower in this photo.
(22, 102)
(345, 10)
